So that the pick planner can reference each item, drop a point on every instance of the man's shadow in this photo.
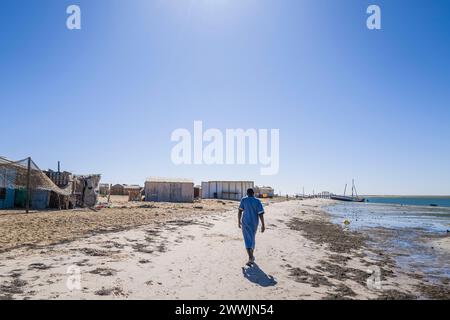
(256, 275)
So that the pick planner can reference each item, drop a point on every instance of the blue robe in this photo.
(250, 219)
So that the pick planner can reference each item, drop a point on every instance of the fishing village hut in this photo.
(7, 189)
(62, 180)
(103, 189)
(264, 192)
(24, 185)
(169, 190)
(118, 190)
(227, 190)
(134, 192)
(85, 189)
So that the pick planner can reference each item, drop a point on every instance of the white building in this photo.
(228, 190)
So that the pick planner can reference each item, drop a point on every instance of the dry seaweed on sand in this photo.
(105, 272)
(12, 287)
(96, 252)
(38, 266)
(341, 292)
(324, 232)
(393, 294)
(314, 279)
(434, 291)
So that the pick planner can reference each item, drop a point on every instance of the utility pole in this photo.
(28, 194)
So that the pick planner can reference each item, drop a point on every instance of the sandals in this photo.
(250, 262)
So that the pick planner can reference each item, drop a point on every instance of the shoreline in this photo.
(407, 196)
(418, 252)
(302, 255)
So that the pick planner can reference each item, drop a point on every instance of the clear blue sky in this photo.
(349, 102)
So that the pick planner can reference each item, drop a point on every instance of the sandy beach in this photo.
(195, 251)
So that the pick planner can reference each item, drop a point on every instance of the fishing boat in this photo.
(353, 198)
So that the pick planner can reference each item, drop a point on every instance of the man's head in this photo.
(250, 192)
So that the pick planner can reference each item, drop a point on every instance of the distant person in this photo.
(250, 212)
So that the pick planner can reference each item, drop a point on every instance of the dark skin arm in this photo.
(263, 225)
(240, 217)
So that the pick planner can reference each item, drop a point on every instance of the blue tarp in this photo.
(7, 178)
(8, 202)
(40, 199)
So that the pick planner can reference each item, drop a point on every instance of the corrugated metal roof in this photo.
(172, 180)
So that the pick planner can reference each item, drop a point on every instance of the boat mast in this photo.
(345, 189)
(356, 193)
(353, 186)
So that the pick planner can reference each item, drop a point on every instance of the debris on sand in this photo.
(324, 232)
(434, 291)
(144, 261)
(152, 232)
(148, 206)
(103, 292)
(9, 288)
(82, 263)
(393, 294)
(189, 222)
(116, 291)
(105, 272)
(162, 248)
(15, 273)
(38, 266)
(181, 223)
(95, 252)
(112, 244)
(342, 273)
(303, 276)
(341, 292)
(141, 247)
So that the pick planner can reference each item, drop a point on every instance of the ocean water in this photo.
(412, 201)
(392, 216)
(408, 226)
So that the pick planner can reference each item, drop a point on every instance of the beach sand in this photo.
(195, 251)
(442, 245)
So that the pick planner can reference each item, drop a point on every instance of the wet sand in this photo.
(192, 253)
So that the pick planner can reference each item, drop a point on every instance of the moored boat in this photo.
(353, 198)
(348, 199)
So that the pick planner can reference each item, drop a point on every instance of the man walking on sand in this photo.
(253, 211)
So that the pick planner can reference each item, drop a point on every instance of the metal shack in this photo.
(264, 192)
(228, 190)
(169, 190)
